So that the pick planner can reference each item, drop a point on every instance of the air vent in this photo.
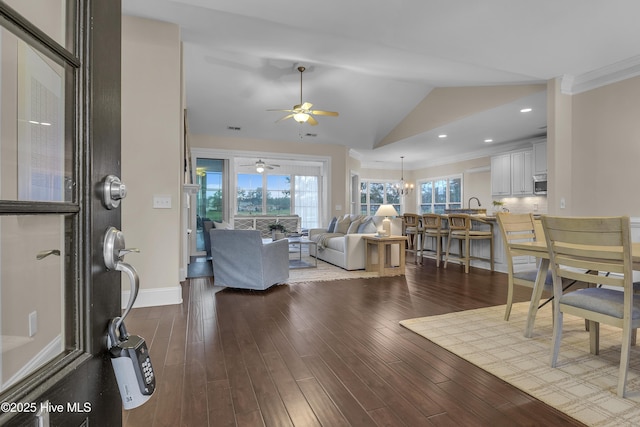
(234, 128)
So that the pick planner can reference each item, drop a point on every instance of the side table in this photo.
(384, 266)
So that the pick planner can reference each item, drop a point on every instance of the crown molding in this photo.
(456, 158)
(622, 70)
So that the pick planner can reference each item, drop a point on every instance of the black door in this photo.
(60, 138)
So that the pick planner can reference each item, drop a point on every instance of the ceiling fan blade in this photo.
(287, 111)
(324, 113)
(312, 121)
(306, 106)
(268, 166)
(275, 166)
(285, 117)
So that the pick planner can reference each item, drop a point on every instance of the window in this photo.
(249, 193)
(439, 194)
(279, 194)
(373, 194)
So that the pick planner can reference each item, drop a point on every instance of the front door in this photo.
(59, 139)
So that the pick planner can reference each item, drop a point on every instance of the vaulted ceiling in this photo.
(399, 73)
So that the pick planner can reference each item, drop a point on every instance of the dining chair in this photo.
(411, 228)
(461, 229)
(578, 247)
(433, 228)
(516, 228)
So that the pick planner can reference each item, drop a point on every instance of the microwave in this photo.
(540, 184)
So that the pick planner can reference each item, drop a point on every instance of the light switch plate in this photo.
(161, 202)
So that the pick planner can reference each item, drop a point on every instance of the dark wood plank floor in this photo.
(326, 354)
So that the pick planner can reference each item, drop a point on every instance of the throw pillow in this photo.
(342, 226)
(332, 225)
(367, 227)
(353, 227)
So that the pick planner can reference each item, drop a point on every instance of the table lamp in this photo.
(386, 211)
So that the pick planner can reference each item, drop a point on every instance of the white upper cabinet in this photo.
(521, 173)
(501, 175)
(512, 174)
(539, 158)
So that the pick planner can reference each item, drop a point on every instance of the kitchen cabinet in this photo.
(522, 173)
(501, 175)
(539, 158)
(512, 174)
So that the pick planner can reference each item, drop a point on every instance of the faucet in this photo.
(477, 200)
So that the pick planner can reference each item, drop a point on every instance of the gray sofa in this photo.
(346, 249)
(241, 260)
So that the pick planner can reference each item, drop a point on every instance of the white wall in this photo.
(152, 156)
(595, 150)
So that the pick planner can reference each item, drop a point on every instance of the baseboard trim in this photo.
(154, 297)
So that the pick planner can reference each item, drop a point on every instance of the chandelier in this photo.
(404, 188)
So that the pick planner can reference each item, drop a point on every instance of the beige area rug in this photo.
(583, 385)
(326, 272)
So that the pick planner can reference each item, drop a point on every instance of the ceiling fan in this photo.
(261, 166)
(302, 113)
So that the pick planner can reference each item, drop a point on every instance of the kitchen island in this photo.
(481, 248)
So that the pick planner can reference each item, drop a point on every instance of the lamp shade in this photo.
(386, 210)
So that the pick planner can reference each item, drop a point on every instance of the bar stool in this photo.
(411, 228)
(460, 228)
(432, 228)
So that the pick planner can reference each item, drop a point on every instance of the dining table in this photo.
(539, 250)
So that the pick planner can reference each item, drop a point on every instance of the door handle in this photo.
(114, 251)
(44, 254)
(134, 280)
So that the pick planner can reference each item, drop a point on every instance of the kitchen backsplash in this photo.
(536, 205)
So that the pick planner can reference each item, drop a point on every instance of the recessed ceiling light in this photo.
(442, 135)
(488, 140)
(526, 110)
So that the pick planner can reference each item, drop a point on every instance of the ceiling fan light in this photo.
(259, 167)
(301, 117)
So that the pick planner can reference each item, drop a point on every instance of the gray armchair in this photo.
(241, 260)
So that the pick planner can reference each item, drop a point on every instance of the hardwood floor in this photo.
(326, 354)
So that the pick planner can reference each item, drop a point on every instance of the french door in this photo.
(60, 139)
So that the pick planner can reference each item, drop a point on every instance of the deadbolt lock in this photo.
(113, 190)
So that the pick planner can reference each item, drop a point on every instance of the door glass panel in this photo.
(33, 263)
(35, 156)
(48, 15)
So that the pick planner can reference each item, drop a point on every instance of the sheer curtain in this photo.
(307, 200)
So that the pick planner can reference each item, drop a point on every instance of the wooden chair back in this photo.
(410, 220)
(459, 222)
(578, 246)
(432, 222)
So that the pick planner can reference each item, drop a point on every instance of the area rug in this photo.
(326, 272)
(583, 385)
